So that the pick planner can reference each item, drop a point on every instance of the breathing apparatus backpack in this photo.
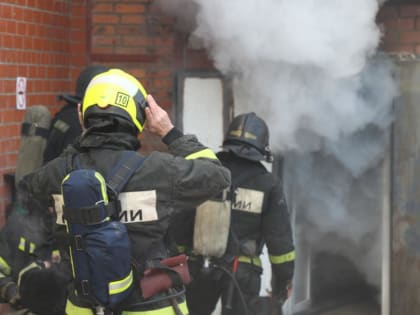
(99, 242)
(212, 226)
(34, 132)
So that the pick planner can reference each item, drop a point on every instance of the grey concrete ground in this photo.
(354, 309)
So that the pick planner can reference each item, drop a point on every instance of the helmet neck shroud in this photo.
(110, 124)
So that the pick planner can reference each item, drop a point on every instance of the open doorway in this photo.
(341, 234)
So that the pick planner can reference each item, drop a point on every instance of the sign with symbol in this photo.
(20, 93)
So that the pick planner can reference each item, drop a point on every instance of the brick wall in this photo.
(136, 36)
(38, 41)
(401, 26)
(49, 42)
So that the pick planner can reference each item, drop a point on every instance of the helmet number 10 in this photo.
(122, 99)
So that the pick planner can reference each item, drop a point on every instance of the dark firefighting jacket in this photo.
(65, 128)
(259, 216)
(25, 238)
(183, 178)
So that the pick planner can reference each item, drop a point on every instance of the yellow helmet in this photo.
(118, 93)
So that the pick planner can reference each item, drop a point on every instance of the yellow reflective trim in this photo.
(32, 247)
(119, 286)
(283, 258)
(21, 245)
(236, 133)
(206, 153)
(181, 248)
(250, 260)
(72, 264)
(27, 268)
(64, 179)
(62, 182)
(100, 178)
(4, 267)
(168, 310)
(71, 255)
(72, 309)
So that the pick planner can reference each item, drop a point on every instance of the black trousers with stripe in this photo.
(209, 285)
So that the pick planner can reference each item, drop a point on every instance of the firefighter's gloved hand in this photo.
(9, 293)
(32, 266)
(52, 298)
(279, 296)
(277, 301)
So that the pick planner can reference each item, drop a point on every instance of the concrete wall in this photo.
(405, 256)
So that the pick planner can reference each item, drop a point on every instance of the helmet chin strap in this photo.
(269, 157)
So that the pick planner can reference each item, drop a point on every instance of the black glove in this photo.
(52, 298)
(279, 295)
(277, 301)
(9, 293)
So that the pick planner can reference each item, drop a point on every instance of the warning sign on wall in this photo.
(20, 93)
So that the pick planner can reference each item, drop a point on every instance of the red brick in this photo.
(103, 7)
(410, 37)
(133, 19)
(406, 24)
(53, 49)
(79, 10)
(8, 41)
(105, 19)
(6, 69)
(134, 50)
(397, 48)
(135, 40)
(4, 116)
(388, 12)
(409, 10)
(130, 8)
(129, 30)
(11, 27)
(101, 50)
(7, 12)
(103, 30)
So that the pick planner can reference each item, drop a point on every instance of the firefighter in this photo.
(26, 237)
(114, 111)
(65, 126)
(32, 278)
(258, 216)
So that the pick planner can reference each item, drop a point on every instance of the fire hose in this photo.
(233, 285)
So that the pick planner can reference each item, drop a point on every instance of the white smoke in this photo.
(311, 69)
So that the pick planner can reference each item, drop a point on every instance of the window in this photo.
(203, 106)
